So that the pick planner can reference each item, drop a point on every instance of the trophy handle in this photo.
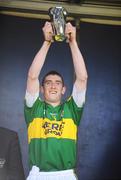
(58, 20)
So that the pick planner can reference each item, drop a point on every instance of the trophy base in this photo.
(59, 38)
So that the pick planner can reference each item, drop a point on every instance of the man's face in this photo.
(53, 89)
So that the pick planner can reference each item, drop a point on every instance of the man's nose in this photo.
(53, 85)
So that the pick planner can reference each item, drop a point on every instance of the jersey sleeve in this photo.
(30, 112)
(79, 96)
(30, 99)
(76, 112)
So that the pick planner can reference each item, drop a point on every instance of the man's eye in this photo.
(47, 83)
(58, 83)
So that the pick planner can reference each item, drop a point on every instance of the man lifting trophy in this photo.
(58, 20)
(51, 121)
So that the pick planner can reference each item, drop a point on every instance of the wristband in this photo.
(48, 41)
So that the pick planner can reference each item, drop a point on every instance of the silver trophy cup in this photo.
(58, 20)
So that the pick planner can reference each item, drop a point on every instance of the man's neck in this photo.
(54, 104)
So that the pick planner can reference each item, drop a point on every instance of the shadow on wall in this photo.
(111, 163)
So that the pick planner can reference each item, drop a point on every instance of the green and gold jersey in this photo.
(52, 134)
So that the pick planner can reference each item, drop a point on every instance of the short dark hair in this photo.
(53, 72)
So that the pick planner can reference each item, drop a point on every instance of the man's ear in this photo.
(41, 89)
(63, 90)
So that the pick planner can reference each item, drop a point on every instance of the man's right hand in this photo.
(70, 32)
(48, 32)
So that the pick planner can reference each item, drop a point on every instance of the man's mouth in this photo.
(53, 92)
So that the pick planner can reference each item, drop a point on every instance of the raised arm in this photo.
(78, 61)
(38, 62)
